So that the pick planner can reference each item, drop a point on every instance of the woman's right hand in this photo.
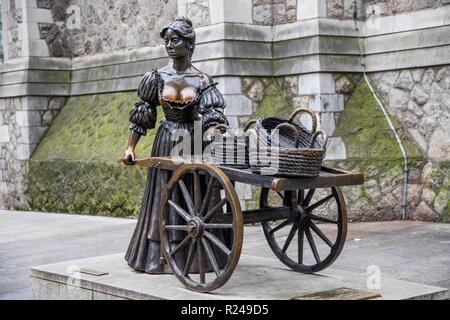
(130, 157)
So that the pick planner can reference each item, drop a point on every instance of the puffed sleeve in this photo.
(212, 105)
(143, 114)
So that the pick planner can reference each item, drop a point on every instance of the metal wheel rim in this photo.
(335, 250)
(237, 222)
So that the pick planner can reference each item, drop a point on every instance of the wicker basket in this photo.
(302, 160)
(232, 150)
(287, 137)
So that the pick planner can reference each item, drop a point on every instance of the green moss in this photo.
(366, 133)
(276, 102)
(92, 128)
(74, 168)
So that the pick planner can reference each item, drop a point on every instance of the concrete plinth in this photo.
(254, 278)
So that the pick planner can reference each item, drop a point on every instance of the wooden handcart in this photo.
(300, 208)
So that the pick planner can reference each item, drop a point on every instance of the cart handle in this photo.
(306, 110)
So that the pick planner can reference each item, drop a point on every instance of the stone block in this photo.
(236, 11)
(3, 187)
(4, 134)
(31, 134)
(307, 9)
(327, 103)
(34, 103)
(244, 191)
(238, 105)
(37, 15)
(327, 123)
(229, 85)
(315, 83)
(28, 118)
(233, 121)
(24, 151)
(336, 149)
(35, 48)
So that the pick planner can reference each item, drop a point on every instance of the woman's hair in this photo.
(183, 27)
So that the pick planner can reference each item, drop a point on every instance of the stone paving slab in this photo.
(254, 278)
(405, 250)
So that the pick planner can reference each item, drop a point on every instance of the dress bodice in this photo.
(206, 105)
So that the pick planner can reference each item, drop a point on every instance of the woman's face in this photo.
(176, 46)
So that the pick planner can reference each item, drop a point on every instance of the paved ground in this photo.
(414, 251)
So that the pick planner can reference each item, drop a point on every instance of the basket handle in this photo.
(311, 113)
(290, 127)
(221, 126)
(248, 124)
(314, 138)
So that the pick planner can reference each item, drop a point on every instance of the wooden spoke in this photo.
(201, 269)
(180, 210)
(187, 197)
(289, 238)
(312, 244)
(190, 258)
(218, 226)
(319, 203)
(321, 219)
(307, 226)
(301, 196)
(217, 242)
(207, 198)
(177, 227)
(280, 226)
(320, 234)
(301, 236)
(308, 197)
(197, 192)
(215, 210)
(182, 244)
(211, 257)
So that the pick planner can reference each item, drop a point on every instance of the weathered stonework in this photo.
(14, 18)
(270, 12)
(105, 26)
(1, 34)
(420, 98)
(198, 12)
(25, 119)
(345, 9)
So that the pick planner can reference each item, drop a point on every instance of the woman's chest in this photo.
(182, 89)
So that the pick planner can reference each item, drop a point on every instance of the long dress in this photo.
(144, 252)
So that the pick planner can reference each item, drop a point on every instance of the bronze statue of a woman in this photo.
(186, 95)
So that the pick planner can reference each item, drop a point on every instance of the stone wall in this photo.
(14, 16)
(74, 168)
(270, 12)
(344, 9)
(420, 99)
(84, 28)
(1, 34)
(23, 121)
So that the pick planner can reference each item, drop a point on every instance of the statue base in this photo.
(109, 277)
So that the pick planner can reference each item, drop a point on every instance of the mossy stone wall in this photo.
(74, 168)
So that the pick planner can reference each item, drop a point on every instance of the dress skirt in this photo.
(144, 251)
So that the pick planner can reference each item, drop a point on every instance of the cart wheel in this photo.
(321, 226)
(201, 227)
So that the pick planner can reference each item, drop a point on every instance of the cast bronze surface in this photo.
(339, 294)
(93, 272)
